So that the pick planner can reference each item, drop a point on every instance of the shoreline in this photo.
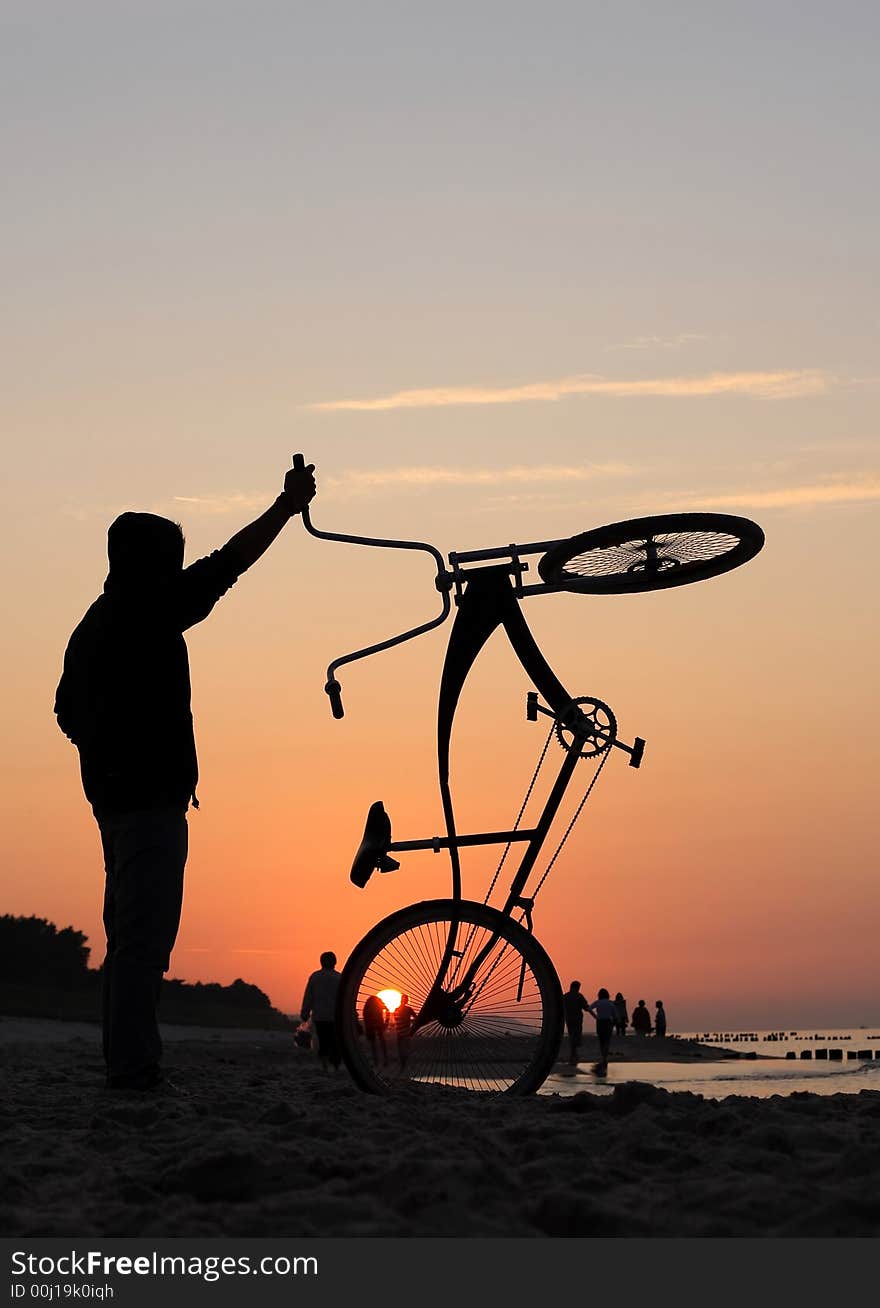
(649, 1049)
(627, 1049)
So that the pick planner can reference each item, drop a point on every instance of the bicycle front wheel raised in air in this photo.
(501, 1038)
(671, 549)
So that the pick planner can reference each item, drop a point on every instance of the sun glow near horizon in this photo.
(392, 999)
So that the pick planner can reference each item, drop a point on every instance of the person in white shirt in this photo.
(319, 1004)
(605, 1013)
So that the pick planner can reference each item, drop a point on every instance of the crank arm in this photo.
(636, 750)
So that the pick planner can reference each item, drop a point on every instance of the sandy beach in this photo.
(263, 1142)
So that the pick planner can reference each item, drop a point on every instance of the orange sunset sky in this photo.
(503, 273)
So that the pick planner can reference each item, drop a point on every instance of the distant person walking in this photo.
(660, 1020)
(319, 1005)
(574, 1006)
(404, 1016)
(604, 1012)
(621, 1016)
(375, 1022)
(641, 1019)
(124, 701)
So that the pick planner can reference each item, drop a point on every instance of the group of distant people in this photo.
(379, 1021)
(612, 1018)
(318, 1010)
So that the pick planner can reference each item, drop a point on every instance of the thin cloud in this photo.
(564, 498)
(789, 497)
(524, 474)
(369, 481)
(840, 445)
(546, 481)
(212, 504)
(660, 342)
(764, 385)
(259, 951)
(193, 949)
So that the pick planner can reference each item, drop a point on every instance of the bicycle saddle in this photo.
(372, 855)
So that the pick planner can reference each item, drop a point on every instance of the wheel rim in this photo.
(487, 1041)
(652, 553)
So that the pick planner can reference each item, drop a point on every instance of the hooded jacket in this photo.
(124, 694)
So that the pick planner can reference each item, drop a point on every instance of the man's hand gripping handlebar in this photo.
(299, 485)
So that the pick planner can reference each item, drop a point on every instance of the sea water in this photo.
(769, 1073)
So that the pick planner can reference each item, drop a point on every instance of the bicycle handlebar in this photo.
(332, 687)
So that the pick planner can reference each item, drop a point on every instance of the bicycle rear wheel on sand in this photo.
(502, 1039)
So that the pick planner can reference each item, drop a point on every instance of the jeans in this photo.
(604, 1028)
(328, 1048)
(144, 857)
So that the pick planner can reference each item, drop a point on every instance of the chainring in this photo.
(588, 725)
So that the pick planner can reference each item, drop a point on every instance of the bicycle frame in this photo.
(488, 602)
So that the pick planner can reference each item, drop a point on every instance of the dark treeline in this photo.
(35, 956)
(34, 950)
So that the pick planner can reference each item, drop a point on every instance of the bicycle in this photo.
(486, 995)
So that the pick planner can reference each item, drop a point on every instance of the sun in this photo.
(391, 999)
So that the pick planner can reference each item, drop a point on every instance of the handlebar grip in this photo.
(334, 690)
(299, 461)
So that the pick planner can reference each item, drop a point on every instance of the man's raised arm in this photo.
(252, 541)
(204, 581)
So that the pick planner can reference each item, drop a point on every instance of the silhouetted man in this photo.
(319, 1005)
(404, 1017)
(641, 1019)
(660, 1020)
(574, 1006)
(376, 1015)
(124, 701)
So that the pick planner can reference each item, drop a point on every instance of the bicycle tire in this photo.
(501, 1047)
(651, 553)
